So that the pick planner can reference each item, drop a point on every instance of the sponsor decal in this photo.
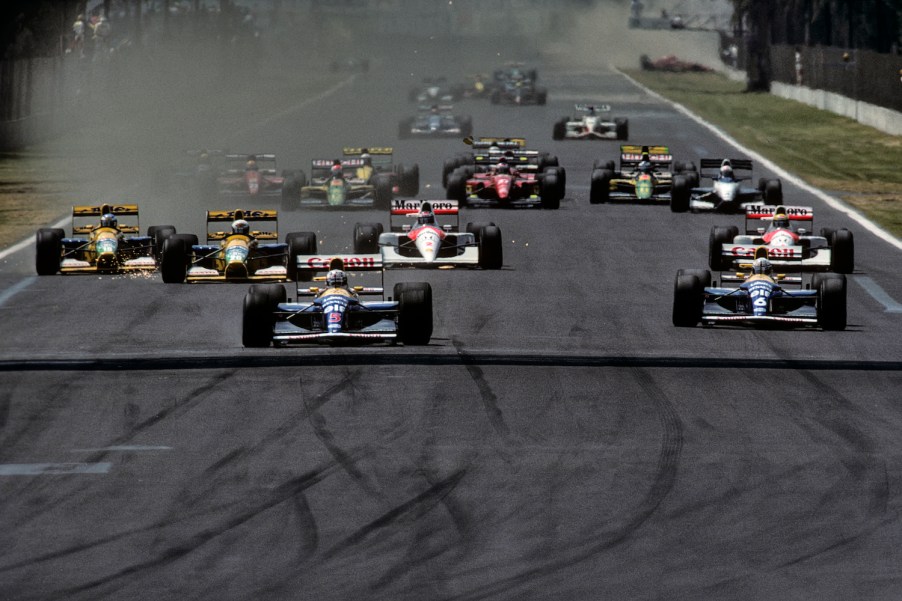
(321, 263)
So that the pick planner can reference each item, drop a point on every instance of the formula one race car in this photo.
(237, 255)
(726, 194)
(435, 90)
(511, 179)
(489, 150)
(426, 242)
(789, 247)
(519, 91)
(761, 298)
(405, 179)
(434, 122)
(592, 125)
(337, 314)
(647, 174)
(348, 182)
(198, 169)
(105, 246)
(249, 176)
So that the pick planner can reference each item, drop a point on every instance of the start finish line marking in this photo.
(53, 469)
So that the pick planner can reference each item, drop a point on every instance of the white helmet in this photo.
(240, 226)
(336, 279)
(762, 267)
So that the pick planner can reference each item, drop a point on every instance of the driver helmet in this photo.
(426, 216)
(336, 170)
(726, 172)
(366, 158)
(503, 167)
(762, 267)
(337, 279)
(108, 220)
(645, 166)
(251, 165)
(240, 226)
(780, 220)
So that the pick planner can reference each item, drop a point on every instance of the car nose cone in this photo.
(428, 243)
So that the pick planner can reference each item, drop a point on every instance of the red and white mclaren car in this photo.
(426, 233)
(250, 176)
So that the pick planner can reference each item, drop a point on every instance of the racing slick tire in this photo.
(299, 243)
(688, 298)
(719, 236)
(679, 194)
(831, 301)
(448, 168)
(466, 126)
(475, 228)
(773, 192)
(414, 312)
(49, 250)
(703, 275)
(547, 160)
(382, 194)
(258, 316)
(291, 191)
(842, 256)
(622, 128)
(817, 278)
(457, 188)
(174, 259)
(552, 191)
(600, 188)
(410, 180)
(159, 233)
(491, 250)
(366, 238)
(559, 132)
(602, 164)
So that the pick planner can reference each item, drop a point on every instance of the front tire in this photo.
(299, 243)
(831, 298)
(258, 316)
(679, 194)
(718, 237)
(48, 250)
(842, 255)
(491, 252)
(366, 238)
(688, 298)
(174, 260)
(600, 188)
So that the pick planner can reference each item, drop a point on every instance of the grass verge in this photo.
(857, 163)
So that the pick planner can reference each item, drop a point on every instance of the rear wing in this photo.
(445, 108)
(95, 212)
(711, 167)
(598, 108)
(631, 155)
(518, 160)
(409, 208)
(251, 216)
(354, 151)
(250, 155)
(502, 143)
(353, 265)
(233, 159)
(765, 214)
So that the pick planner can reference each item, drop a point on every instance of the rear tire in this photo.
(366, 238)
(299, 243)
(600, 188)
(559, 132)
(842, 256)
(48, 250)
(552, 191)
(679, 194)
(688, 298)
(491, 252)
(457, 188)
(773, 192)
(159, 233)
(257, 318)
(622, 129)
(703, 275)
(414, 312)
(174, 259)
(831, 297)
(718, 237)
(383, 192)
(410, 180)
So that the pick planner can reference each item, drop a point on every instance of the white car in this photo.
(593, 125)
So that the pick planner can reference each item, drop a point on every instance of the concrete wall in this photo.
(885, 120)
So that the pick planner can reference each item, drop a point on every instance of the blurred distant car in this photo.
(351, 64)
(435, 90)
(673, 64)
(519, 91)
(434, 122)
(592, 125)
(405, 178)
(249, 176)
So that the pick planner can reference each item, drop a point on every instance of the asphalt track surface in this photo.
(558, 439)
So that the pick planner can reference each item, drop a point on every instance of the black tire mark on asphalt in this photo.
(488, 396)
(666, 475)
(287, 491)
(429, 498)
(325, 436)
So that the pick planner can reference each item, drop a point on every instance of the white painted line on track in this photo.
(831, 201)
(15, 289)
(123, 448)
(879, 294)
(53, 469)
